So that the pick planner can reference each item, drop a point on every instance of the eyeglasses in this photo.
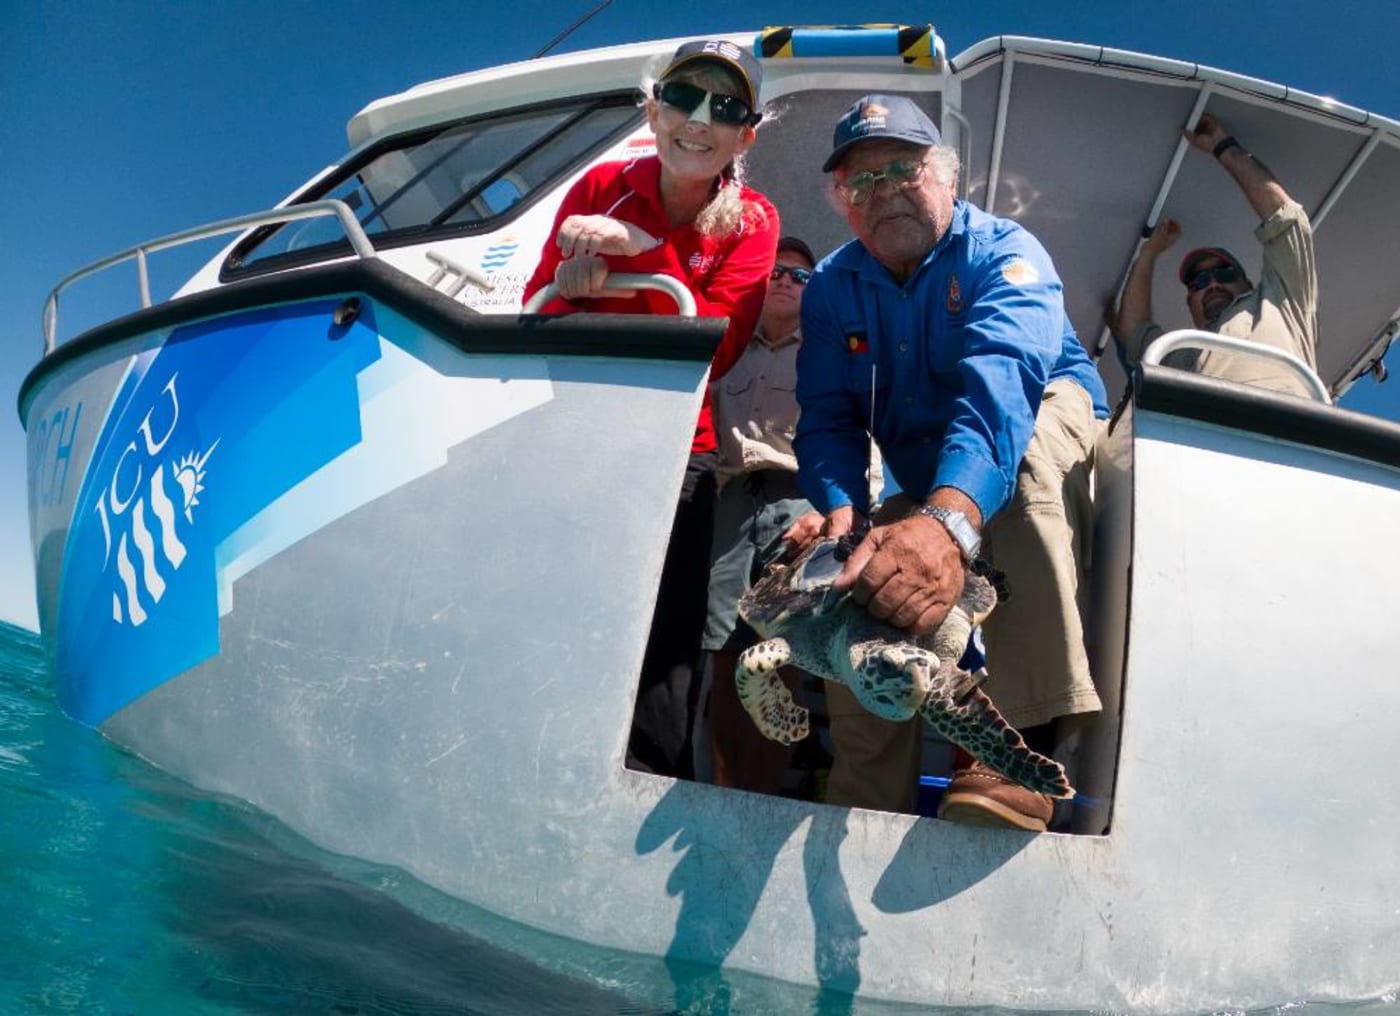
(729, 110)
(857, 188)
(801, 276)
(1225, 274)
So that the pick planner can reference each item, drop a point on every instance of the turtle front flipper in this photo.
(764, 696)
(963, 713)
(891, 680)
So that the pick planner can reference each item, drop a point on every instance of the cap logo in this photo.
(872, 118)
(721, 47)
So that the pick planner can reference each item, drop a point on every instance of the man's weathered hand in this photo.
(909, 573)
(803, 531)
(1164, 234)
(840, 522)
(1209, 132)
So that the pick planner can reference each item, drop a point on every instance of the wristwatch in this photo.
(959, 527)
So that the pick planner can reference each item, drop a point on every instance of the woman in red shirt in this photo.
(682, 212)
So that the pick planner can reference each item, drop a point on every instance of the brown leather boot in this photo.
(981, 796)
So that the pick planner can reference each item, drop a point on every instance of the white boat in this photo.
(337, 531)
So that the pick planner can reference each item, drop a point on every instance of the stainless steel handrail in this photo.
(312, 209)
(466, 276)
(1192, 338)
(675, 288)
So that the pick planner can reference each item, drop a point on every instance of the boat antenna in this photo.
(569, 31)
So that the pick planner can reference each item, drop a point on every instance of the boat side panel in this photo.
(64, 421)
(1259, 714)
(442, 680)
(232, 440)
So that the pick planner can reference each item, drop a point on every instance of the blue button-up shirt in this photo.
(946, 371)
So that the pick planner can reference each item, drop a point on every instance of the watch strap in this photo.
(959, 527)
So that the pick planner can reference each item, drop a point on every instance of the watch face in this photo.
(959, 527)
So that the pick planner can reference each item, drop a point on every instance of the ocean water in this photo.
(124, 890)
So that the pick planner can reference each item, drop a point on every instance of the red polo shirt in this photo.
(727, 275)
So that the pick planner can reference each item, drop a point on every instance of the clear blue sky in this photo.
(120, 122)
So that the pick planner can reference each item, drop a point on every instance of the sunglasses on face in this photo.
(857, 188)
(1225, 274)
(729, 110)
(801, 276)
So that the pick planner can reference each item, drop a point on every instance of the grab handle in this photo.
(1190, 338)
(675, 288)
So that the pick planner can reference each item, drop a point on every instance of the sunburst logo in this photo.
(189, 474)
(140, 509)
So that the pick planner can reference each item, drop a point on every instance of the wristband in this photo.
(1224, 145)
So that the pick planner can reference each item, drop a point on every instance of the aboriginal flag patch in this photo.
(858, 343)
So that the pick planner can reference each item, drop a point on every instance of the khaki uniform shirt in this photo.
(1281, 311)
(755, 407)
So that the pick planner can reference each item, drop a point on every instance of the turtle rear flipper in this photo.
(977, 726)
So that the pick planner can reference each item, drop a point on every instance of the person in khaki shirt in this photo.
(1281, 311)
(755, 411)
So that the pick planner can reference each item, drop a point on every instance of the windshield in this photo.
(448, 180)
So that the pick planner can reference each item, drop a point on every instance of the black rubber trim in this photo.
(634, 336)
(1256, 410)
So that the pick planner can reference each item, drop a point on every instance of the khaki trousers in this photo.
(1035, 640)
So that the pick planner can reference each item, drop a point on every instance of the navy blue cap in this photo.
(725, 53)
(794, 245)
(880, 116)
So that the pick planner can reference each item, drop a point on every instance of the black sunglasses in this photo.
(801, 276)
(1225, 274)
(729, 110)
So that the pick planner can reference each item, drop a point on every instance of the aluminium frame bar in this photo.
(1158, 203)
(354, 232)
(1008, 69)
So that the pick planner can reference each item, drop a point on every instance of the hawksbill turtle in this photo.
(807, 623)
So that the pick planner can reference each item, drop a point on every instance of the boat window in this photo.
(452, 179)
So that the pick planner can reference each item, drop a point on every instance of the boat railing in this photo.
(1191, 338)
(354, 232)
(462, 275)
(685, 300)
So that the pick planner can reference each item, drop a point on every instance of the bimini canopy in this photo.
(1083, 146)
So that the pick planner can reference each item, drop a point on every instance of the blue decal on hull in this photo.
(208, 430)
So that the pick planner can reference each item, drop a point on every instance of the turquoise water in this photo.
(124, 890)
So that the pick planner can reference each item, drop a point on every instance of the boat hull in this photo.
(418, 574)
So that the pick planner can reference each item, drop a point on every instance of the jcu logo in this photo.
(141, 509)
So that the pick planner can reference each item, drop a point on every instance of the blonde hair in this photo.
(727, 212)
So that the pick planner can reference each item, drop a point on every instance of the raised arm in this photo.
(1262, 189)
(1135, 308)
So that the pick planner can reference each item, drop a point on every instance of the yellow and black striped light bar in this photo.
(914, 44)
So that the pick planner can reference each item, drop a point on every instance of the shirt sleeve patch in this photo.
(1020, 272)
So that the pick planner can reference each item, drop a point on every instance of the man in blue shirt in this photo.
(941, 331)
